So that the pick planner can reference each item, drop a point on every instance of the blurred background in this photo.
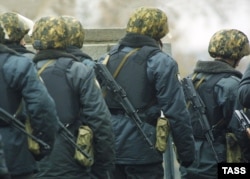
(192, 22)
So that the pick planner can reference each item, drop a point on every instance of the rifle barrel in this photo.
(198, 105)
(9, 119)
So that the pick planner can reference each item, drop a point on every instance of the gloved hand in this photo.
(44, 149)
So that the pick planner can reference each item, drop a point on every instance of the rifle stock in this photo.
(11, 120)
(120, 95)
(198, 105)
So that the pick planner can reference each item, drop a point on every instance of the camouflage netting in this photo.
(75, 31)
(229, 44)
(148, 21)
(15, 26)
(49, 33)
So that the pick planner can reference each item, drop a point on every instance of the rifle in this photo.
(199, 106)
(71, 139)
(120, 95)
(243, 119)
(9, 119)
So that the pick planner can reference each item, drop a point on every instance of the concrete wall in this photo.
(98, 41)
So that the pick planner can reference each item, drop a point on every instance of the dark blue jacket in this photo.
(76, 85)
(161, 73)
(20, 81)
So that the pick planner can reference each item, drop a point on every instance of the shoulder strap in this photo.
(105, 62)
(213, 80)
(118, 69)
(146, 51)
(199, 82)
(44, 67)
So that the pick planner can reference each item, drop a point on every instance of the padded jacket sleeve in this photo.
(21, 75)
(163, 70)
(226, 90)
(94, 113)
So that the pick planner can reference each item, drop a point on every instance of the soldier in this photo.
(243, 135)
(76, 37)
(78, 100)
(217, 83)
(75, 42)
(17, 26)
(19, 82)
(150, 78)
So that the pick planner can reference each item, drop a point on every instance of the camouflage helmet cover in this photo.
(75, 29)
(229, 44)
(15, 26)
(49, 33)
(148, 21)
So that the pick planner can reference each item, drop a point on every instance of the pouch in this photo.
(234, 154)
(162, 133)
(85, 142)
(32, 145)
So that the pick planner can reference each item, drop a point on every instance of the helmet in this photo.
(148, 21)
(49, 33)
(229, 44)
(15, 26)
(75, 31)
